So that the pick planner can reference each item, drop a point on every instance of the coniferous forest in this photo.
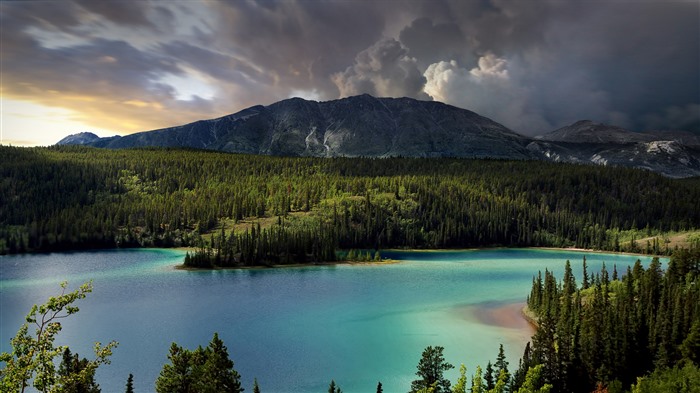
(611, 328)
(252, 210)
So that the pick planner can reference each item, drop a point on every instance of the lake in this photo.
(294, 329)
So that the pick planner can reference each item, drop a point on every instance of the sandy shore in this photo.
(595, 251)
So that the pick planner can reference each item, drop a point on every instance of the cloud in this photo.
(429, 42)
(487, 90)
(686, 117)
(384, 70)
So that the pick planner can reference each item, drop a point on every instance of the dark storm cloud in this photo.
(532, 65)
(300, 44)
(423, 34)
(616, 62)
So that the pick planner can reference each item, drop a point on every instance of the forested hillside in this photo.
(258, 209)
(614, 327)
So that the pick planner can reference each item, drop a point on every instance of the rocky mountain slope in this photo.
(671, 153)
(382, 127)
(354, 126)
(82, 138)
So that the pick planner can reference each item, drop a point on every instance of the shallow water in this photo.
(294, 329)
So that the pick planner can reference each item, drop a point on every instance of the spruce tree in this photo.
(431, 367)
(130, 384)
(256, 387)
(333, 388)
(488, 376)
(218, 374)
(501, 363)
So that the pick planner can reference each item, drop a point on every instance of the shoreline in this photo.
(573, 249)
(394, 261)
(291, 265)
(592, 251)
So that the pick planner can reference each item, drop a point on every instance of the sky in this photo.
(123, 66)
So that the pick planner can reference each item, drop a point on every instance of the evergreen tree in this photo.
(690, 348)
(130, 384)
(218, 374)
(179, 376)
(380, 389)
(256, 387)
(431, 367)
(488, 376)
(333, 388)
(75, 376)
(585, 283)
(201, 370)
(501, 364)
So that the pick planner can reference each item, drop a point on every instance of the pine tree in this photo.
(380, 389)
(430, 370)
(218, 374)
(130, 384)
(256, 387)
(585, 283)
(501, 364)
(333, 388)
(488, 376)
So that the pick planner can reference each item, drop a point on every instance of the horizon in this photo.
(121, 68)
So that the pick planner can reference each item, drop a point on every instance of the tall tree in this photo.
(431, 367)
(218, 374)
(488, 376)
(501, 364)
(204, 370)
(256, 387)
(130, 384)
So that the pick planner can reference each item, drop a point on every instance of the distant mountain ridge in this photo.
(354, 126)
(383, 127)
(671, 153)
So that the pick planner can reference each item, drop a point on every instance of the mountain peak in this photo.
(587, 131)
(382, 127)
(81, 138)
(353, 126)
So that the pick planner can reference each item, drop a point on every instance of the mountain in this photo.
(586, 131)
(671, 153)
(354, 126)
(382, 127)
(82, 138)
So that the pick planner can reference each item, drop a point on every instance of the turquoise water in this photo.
(294, 329)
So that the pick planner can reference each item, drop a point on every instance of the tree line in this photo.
(245, 209)
(612, 328)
